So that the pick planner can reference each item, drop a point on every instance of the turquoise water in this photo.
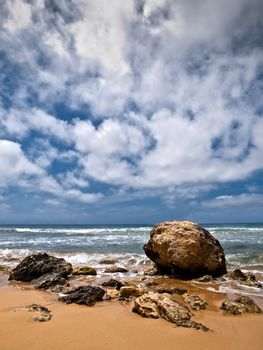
(242, 243)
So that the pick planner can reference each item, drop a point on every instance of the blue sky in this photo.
(133, 111)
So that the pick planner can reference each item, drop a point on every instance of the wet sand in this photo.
(111, 325)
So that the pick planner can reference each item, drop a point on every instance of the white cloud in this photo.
(14, 164)
(20, 15)
(235, 201)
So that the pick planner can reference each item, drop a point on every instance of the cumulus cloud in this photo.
(241, 200)
(170, 93)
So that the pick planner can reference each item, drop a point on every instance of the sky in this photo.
(134, 111)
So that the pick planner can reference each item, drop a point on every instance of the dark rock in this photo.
(128, 292)
(84, 295)
(185, 250)
(169, 290)
(156, 305)
(49, 280)
(113, 283)
(195, 302)
(240, 305)
(37, 265)
(237, 275)
(84, 270)
(115, 269)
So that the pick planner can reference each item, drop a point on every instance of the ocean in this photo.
(91, 244)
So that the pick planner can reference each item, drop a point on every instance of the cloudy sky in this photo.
(132, 111)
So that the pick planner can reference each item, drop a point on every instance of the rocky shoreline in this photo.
(148, 295)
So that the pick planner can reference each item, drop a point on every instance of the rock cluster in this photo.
(185, 250)
(240, 305)
(247, 279)
(43, 313)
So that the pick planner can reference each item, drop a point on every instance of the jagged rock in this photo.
(240, 305)
(5, 269)
(37, 307)
(169, 290)
(156, 305)
(246, 279)
(185, 250)
(37, 265)
(113, 283)
(49, 280)
(86, 295)
(107, 261)
(115, 269)
(84, 270)
(205, 279)
(127, 292)
(195, 302)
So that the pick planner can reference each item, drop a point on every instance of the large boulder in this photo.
(36, 265)
(186, 250)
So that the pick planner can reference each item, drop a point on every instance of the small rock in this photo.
(84, 270)
(237, 275)
(113, 283)
(195, 302)
(49, 280)
(42, 318)
(112, 294)
(152, 271)
(107, 261)
(127, 292)
(37, 307)
(5, 269)
(84, 295)
(115, 269)
(240, 305)
(205, 279)
(178, 291)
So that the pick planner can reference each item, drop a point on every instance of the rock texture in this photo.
(240, 305)
(195, 302)
(171, 290)
(37, 265)
(84, 295)
(84, 270)
(185, 250)
(49, 280)
(156, 305)
(128, 292)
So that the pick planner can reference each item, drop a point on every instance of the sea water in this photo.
(90, 244)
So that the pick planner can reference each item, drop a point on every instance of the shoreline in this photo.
(112, 324)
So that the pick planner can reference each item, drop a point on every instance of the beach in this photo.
(111, 325)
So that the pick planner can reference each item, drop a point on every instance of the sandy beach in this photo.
(112, 325)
